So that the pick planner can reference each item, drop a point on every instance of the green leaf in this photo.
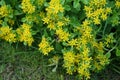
(67, 7)
(68, 1)
(25, 43)
(117, 52)
(46, 4)
(85, 1)
(108, 54)
(16, 12)
(2, 2)
(58, 47)
(62, 1)
(76, 4)
(54, 69)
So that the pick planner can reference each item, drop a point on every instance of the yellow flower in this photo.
(46, 20)
(45, 47)
(78, 57)
(66, 20)
(69, 71)
(54, 7)
(109, 39)
(51, 26)
(24, 34)
(63, 36)
(86, 23)
(108, 10)
(1, 22)
(97, 66)
(60, 24)
(83, 70)
(40, 2)
(117, 3)
(11, 22)
(7, 34)
(72, 42)
(29, 18)
(102, 59)
(87, 8)
(4, 11)
(104, 16)
(96, 21)
(27, 7)
(69, 60)
(42, 14)
(69, 57)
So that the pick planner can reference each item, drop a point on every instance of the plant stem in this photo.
(105, 28)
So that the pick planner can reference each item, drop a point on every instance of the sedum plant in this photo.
(75, 34)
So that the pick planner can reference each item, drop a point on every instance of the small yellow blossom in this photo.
(104, 16)
(24, 34)
(45, 47)
(69, 60)
(4, 11)
(117, 3)
(88, 9)
(46, 20)
(27, 7)
(40, 2)
(83, 70)
(55, 7)
(102, 60)
(63, 36)
(69, 57)
(108, 10)
(60, 24)
(108, 40)
(86, 23)
(96, 21)
(66, 20)
(7, 34)
(11, 22)
(42, 14)
(72, 42)
(51, 26)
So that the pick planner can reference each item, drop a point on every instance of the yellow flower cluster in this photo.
(117, 3)
(98, 46)
(100, 61)
(82, 43)
(86, 34)
(85, 63)
(4, 11)
(80, 62)
(45, 47)
(7, 34)
(97, 11)
(108, 40)
(69, 61)
(83, 70)
(54, 7)
(53, 19)
(27, 6)
(40, 2)
(62, 35)
(24, 34)
(73, 42)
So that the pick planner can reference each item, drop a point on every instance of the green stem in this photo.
(105, 28)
